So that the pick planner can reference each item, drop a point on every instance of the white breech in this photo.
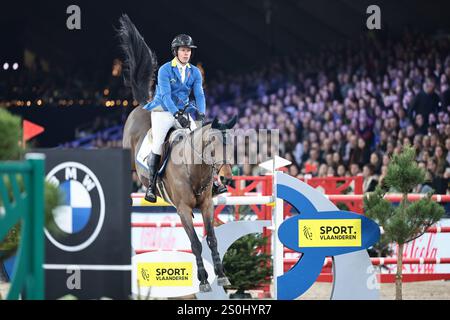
(162, 121)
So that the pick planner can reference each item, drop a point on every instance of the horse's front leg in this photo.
(208, 216)
(185, 213)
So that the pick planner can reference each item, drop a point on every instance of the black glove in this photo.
(182, 119)
(201, 117)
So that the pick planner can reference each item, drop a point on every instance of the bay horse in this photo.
(187, 183)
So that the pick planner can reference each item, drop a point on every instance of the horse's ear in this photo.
(215, 123)
(230, 124)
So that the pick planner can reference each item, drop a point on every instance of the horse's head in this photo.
(219, 142)
(224, 128)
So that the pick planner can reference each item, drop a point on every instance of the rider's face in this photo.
(184, 54)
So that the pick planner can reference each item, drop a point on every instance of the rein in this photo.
(201, 155)
(214, 166)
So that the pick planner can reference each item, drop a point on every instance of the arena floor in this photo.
(427, 290)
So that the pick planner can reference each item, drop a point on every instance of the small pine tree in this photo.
(409, 220)
(246, 264)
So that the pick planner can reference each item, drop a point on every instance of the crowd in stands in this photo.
(347, 109)
(344, 110)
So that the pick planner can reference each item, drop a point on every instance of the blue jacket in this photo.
(172, 94)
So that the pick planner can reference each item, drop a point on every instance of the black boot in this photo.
(152, 161)
(218, 188)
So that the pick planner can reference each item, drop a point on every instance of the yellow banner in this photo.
(329, 233)
(164, 274)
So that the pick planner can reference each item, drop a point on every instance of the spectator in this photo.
(361, 154)
(441, 163)
(381, 181)
(420, 125)
(323, 171)
(341, 170)
(312, 164)
(331, 172)
(447, 150)
(370, 179)
(376, 163)
(426, 102)
(426, 186)
(293, 170)
(354, 169)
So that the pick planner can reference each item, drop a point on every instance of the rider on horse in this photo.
(176, 80)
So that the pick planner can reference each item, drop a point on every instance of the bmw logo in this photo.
(80, 217)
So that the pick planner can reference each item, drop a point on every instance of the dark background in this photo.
(231, 35)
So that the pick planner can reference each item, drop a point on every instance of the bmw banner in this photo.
(88, 250)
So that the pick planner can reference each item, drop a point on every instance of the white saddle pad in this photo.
(144, 150)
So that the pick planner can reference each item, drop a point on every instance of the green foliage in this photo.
(342, 206)
(53, 198)
(10, 149)
(380, 210)
(245, 263)
(403, 173)
(409, 220)
(10, 136)
(412, 220)
(376, 207)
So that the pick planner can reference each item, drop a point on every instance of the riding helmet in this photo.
(182, 40)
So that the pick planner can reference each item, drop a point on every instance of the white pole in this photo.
(219, 200)
(277, 246)
(243, 200)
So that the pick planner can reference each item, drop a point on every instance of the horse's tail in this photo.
(140, 62)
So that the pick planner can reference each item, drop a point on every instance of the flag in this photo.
(31, 130)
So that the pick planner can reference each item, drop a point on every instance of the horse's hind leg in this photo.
(186, 219)
(208, 216)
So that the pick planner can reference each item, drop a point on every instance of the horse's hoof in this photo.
(223, 281)
(205, 287)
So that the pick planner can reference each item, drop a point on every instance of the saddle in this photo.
(166, 147)
(145, 148)
(161, 166)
